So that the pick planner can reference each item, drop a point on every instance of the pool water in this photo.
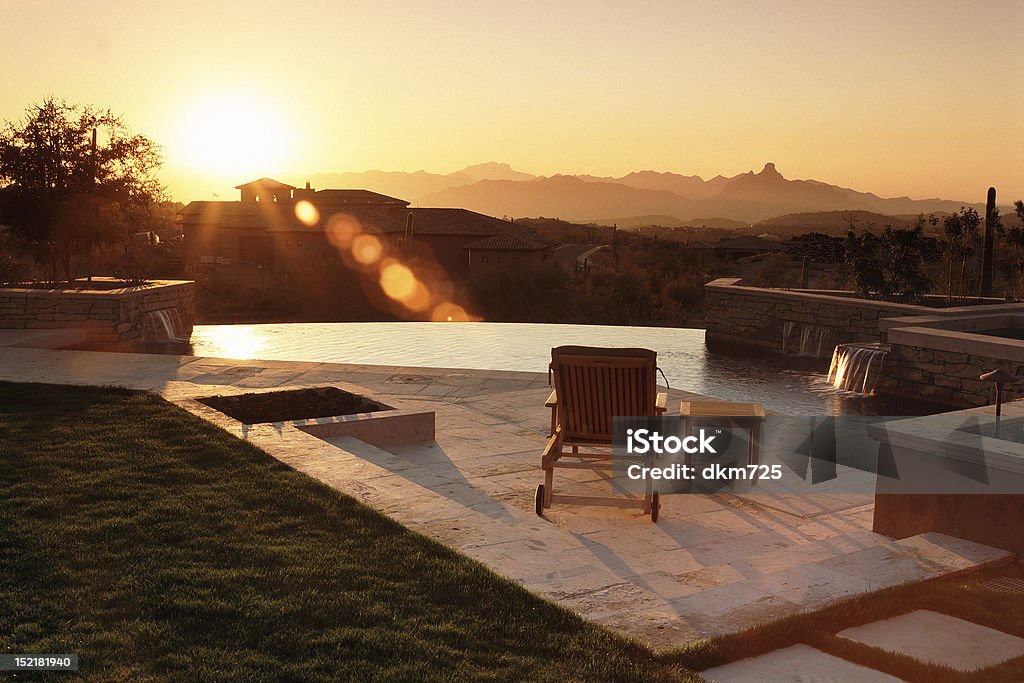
(782, 384)
(1004, 332)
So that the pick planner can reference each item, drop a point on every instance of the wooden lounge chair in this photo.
(593, 385)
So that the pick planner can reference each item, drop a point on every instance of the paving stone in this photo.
(799, 664)
(939, 639)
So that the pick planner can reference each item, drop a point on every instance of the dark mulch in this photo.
(298, 404)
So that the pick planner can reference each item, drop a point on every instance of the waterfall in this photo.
(856, 367)
(165, 325)
(808, 340)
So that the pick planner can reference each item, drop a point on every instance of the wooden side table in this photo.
(722, 415)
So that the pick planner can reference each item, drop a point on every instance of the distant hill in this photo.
(662, 221)
(716, 222)
(832, 221)
(640, 221)
(639, 197)
(689, 186)
(493, 171)
(413, 186)
(408, 186)
(561, 196)
(745, 198)
(757, 196)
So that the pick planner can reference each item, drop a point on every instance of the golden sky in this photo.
(912, 98)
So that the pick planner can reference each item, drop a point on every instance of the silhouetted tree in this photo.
(961, 229)
(890, 267)
(904, 256)
(862, 259)
(1014, 241)
(73, 177)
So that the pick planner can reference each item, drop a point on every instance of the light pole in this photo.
(998, 377)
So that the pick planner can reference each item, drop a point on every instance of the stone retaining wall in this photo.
(753, 315)
(120, 314)
(944, 365)
(942, 376)
(934, 353)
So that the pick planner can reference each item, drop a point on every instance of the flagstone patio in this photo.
(713, 564)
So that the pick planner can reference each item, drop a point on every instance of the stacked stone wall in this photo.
(111, 315)
(752, 315)
(949, 377)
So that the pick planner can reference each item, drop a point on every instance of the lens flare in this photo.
(367, 249)
(448, 312)
(342, 230)
(307, 213)
(419, 300)
(397, 281)
(401, 285)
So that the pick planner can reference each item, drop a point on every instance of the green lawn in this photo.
(156, 546)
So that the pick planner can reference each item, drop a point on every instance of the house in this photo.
(505, 250)
(734, 248)
(276, 227)
(575, 259)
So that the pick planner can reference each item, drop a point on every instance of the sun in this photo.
(234, 136)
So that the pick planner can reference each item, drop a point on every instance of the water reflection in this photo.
(232, 341)
(786, 385)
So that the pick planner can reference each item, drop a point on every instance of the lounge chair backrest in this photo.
(594, 384)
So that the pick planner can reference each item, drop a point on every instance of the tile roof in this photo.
(266, 183)
(376, 212)
(355, 197)
(429, 221)
(508, 242)
(372, 219)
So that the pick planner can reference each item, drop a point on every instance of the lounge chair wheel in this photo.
(655, 506)
(538, 502)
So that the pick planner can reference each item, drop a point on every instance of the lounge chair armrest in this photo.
(661, 403)
(552, 450)
(552, 400)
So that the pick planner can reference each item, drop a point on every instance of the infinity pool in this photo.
(782, 384)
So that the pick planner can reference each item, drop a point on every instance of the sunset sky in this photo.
(915, 98)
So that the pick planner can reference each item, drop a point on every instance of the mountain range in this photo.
(673, 199)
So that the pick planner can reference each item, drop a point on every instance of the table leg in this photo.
(753, 455)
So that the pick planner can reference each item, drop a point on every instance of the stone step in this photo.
(936, 638)
(956, 555)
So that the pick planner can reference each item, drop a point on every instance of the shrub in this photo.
(12, 270)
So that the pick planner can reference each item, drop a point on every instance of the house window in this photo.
(287, 243)
(515, 259)
(483, 259)
(499, 259)
(298, 243)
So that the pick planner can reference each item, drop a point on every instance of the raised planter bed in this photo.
(329, 412)
(298, 404)
(107, 312)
